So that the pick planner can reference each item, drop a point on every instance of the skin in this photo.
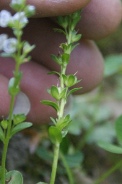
(99, 19)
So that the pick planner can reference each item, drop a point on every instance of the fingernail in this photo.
(22, 104)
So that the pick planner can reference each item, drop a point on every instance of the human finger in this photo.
(34, 84)
(100, 18)
(49, 8)
(86, 58)
(36, 81)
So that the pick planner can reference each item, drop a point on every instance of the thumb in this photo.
(47, 8)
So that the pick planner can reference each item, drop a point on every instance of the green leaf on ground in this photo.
(14, 177)
(110, 147)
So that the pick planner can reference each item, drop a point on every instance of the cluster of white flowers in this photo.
(5, 17)
(8, 45)
(16, 21)
(19, 17)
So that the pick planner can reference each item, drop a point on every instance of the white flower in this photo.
(9, 45)
(31, 8)
(16, 1)
(21, 17)
(5, 17)
(3, 37)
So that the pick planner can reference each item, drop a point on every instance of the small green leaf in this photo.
(73, 90)
(65, 46)
(76, 16)
(13, 89)
(54, 72)
(14, 177)
(64, 132)
(2, 136)
(118, 128)
(71, 80)
(59, 31)
(55, 135)
(57, 59)
(110, 147)
(53, 120)
(63, 21)
(20, 127)
(63, 93)
(50, 103)
(76, 37)
(27, 48)
(4, 123)
(64, 122)
(74, 46)
(18, 118)
(55, 92)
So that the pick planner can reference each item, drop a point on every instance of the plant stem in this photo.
(6, 142)
(60, 115)
(7, 136)
(108, 173)
(55, 163)
(68, 170)
(64, 58)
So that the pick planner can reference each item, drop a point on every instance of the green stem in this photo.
(68, 170)
(7, 136)
(57, 145)
(62, 102)
(6, 142)
(55, 163)
(108, 173)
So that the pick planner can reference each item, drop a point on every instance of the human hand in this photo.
(99, 19)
